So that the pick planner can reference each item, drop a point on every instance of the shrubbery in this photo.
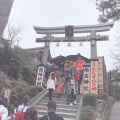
(89, 99)
(87, 113)
(111, 90)
(18, 93)
(114, 91)
(117, 92)
(102, 96)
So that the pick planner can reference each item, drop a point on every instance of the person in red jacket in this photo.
(78, 78)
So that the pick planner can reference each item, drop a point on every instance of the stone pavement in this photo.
(115, 112)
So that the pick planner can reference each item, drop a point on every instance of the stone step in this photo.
(60, 99)
(64, 115)
(65, 110)
(63, 96)
(59, 105)
(39, 116)
(58, 102)
(62, 107)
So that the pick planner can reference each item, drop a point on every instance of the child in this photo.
(60, 88)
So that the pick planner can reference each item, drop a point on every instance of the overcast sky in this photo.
(49, 13)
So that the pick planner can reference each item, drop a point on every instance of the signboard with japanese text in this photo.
(94, 77)
(40, 76)
(7, 94)
(86, 80)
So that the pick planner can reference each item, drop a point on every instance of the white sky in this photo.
(49, 13)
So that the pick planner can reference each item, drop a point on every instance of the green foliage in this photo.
(18, 93)
(114, 91)
(102, 96)
(87, 113)
(109, 10)
(115, 74)
(89, 99)
(111, 90)
(10, 109)
(16, 62)
(117, 92)
(29, 74)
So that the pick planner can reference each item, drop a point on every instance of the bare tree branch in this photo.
(13, 32)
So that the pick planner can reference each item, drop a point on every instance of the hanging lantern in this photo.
(69, 44)
(78, 64)
(57, 44)
(81, 44)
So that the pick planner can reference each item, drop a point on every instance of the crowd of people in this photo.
(27, 112)
(68, 85)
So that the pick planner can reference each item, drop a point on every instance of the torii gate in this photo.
(92, 38)
(92, 29)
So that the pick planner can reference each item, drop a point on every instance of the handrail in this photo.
(38, 97)
(79, 109)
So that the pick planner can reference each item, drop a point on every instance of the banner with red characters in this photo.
(94, 77)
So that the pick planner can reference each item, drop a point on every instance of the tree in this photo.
(115, 74)
(11, 33)
(109, 9)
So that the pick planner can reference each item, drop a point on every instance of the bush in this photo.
(111, 90)
(87, 113)
(18, 93)
(102, 96)
(117, 92)
(114, 91)
(89, 99)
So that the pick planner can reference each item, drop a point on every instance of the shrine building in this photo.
(94, 74)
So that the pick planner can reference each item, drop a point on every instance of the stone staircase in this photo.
(66, 111)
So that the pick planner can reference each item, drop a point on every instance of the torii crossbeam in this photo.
(92, 29)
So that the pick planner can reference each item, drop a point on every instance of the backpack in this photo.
(20, 115)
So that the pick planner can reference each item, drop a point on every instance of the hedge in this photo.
(18, 93)
(114, 91)
(87, 113)
(89, 99)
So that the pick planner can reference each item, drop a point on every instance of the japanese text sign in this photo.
(94, 77)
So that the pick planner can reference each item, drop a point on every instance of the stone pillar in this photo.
(46, 50)
(93, 45)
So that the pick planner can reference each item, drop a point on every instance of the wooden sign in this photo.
(94, 77)
(7, 94)
(86, 80)
(40, 76)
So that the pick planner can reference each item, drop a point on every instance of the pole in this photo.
(46, 50)
(93, 45)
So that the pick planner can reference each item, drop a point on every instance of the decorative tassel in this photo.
(93, 42)
(81, 44)
(69, 44)
(57, 44)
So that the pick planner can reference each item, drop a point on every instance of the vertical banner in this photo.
(40, 76)
(7, 94)
(86, 80)
(94, 77)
